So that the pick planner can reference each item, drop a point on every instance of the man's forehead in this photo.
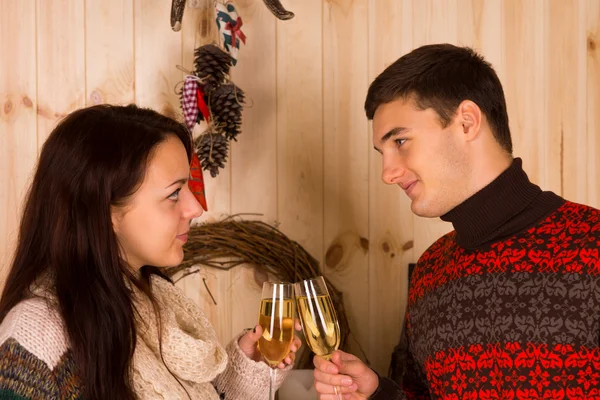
(388, 117)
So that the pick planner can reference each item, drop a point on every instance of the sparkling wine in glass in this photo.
(319, 321)
(276, 318)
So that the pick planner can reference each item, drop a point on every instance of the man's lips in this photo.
(408, 186)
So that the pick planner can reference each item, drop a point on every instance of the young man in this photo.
(506, 306)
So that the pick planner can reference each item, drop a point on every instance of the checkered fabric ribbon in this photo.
(189, 101)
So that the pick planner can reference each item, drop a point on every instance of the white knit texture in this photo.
(247, 379)
(38, 328)
(192, 353)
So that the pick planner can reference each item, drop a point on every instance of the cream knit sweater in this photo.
(189, 348)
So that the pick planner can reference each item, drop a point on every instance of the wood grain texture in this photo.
(300, 126)
(593, 101)
(60, 62)
(109, 51)
(18, 118)
(566, 82)
(525, 88)
(346, 160)
(156, 73)
(254, 156)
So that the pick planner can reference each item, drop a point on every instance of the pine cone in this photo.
(226, 107)
(212, 64)
(214, 159)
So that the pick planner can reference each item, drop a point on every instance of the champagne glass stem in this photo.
(273, 376)
(338, 392)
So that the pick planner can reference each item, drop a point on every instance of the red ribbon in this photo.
(202, 106)
(236, 31)
(196, 181)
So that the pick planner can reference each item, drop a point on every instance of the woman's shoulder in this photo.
(34, 327)
(35, 360)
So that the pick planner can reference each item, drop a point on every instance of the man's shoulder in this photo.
(576, 217)
(442, 245)
(569, 207)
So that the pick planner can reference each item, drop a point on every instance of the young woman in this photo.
(86, 312)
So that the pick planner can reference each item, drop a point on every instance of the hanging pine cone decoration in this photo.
(212, 151)
(226, 104)
(212, 64)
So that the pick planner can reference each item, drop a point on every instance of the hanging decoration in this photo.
(178, 7)
(196, 181)
(209, 97)
(278, 10)
(189, 101)
(230, 28)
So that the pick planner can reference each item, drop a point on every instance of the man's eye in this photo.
(400, 142)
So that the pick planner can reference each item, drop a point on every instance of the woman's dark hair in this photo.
(93, 160)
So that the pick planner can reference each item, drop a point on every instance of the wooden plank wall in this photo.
(305, 158)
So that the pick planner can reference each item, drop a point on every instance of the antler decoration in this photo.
(277, 9)
(177, 7)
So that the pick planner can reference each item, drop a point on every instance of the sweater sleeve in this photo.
(244, 378)
(35, 360)
(388, 390)
(406, 380)
(25, 376)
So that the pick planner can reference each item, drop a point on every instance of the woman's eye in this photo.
(175, 195)
(400, 142)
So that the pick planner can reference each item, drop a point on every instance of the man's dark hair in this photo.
(441, 76)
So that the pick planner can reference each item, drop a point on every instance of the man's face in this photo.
(427, 161)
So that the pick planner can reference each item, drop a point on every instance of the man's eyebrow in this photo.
(391, 133)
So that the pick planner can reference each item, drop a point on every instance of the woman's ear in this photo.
(116, 216)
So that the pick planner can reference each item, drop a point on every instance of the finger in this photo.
(289, 359)
(338, 356)
(332, 380)
(297, 324)
(324, 365)
(296, 344)
(348, 364)
(345, 396)
(322, 388)
(248, 341)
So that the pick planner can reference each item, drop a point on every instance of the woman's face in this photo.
(152, 226)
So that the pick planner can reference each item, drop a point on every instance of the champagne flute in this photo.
(276, 318)
(319, 321)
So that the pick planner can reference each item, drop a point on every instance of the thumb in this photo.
(347, 364)
(248, 341)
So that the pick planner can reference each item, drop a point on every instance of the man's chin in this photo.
(423, 210)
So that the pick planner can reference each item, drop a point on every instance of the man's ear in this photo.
(469, 116)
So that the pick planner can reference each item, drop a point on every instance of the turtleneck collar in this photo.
(509, 204)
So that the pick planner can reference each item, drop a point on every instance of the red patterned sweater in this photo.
(506, 306)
